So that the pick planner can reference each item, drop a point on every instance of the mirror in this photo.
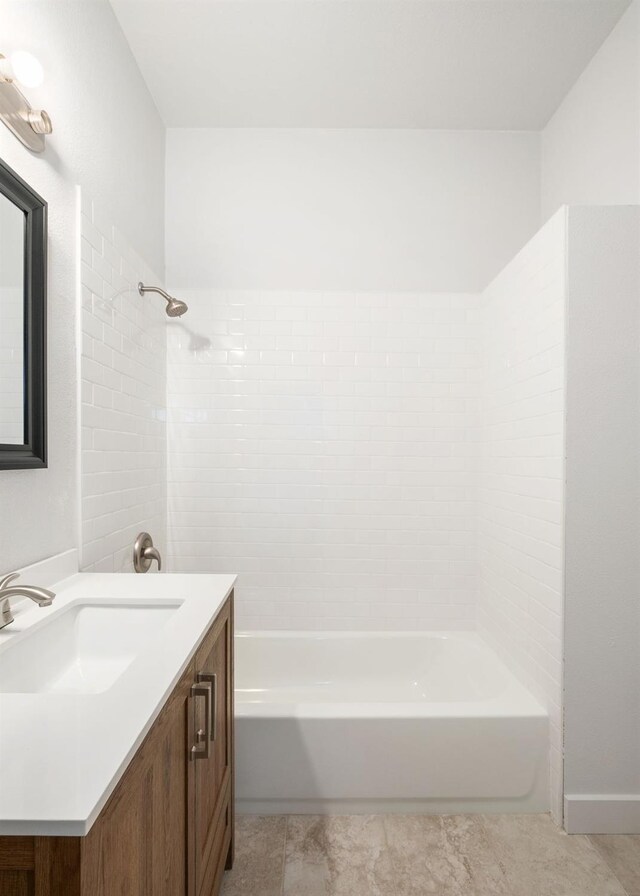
(23, 234)
(11, 323)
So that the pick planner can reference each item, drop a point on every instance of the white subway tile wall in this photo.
(324, 446)
(520, 531)
(123, 381)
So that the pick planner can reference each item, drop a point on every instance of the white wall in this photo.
(124, 394)
(591, 146)
(324, 446)
(347, 209)
(520, 525)
(602, 633)
(108, 138)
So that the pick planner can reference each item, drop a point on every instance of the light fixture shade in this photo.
(26, 69)
(29, 125)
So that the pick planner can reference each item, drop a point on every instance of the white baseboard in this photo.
(596, 813)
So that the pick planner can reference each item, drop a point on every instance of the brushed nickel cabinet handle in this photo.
(212, 678)
(202, 748)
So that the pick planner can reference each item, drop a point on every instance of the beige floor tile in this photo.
(447, 856)
(538, 859)
(259, 857)
(337, 856)
(621, 852)
(413, 855)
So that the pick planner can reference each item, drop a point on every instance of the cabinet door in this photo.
(212, 774)
(138, 845)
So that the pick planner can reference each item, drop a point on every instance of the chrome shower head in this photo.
(175, 308)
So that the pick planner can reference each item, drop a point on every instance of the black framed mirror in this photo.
(23, 316)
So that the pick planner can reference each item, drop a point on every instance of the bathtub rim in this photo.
(516, 701)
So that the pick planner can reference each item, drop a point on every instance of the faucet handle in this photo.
(7, 579)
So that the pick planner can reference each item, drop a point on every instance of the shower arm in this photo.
(165, 295)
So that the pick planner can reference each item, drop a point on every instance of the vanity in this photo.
(116, 738)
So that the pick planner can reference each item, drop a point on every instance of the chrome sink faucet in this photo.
(41, 596)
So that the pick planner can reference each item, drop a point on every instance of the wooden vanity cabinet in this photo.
(211, 793)
(167, 829)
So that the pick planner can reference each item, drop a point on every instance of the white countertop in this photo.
(63, 754)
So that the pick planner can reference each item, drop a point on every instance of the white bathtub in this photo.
(368, 722)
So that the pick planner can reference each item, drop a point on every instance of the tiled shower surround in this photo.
(123, 382)
(522, 470)
(382, 461)
(361, 460)
(520, 525)
(325, 447)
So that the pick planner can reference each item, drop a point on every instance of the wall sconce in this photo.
(29, 125)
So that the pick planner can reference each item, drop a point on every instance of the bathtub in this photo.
(384, 722)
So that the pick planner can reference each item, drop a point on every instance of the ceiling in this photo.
(495, 64)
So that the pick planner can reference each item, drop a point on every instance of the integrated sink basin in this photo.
(82, 649)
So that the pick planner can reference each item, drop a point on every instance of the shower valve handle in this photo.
(144, 553)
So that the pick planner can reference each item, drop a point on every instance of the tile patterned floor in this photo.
(417, 855)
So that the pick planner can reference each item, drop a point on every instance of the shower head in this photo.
(175, 308)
